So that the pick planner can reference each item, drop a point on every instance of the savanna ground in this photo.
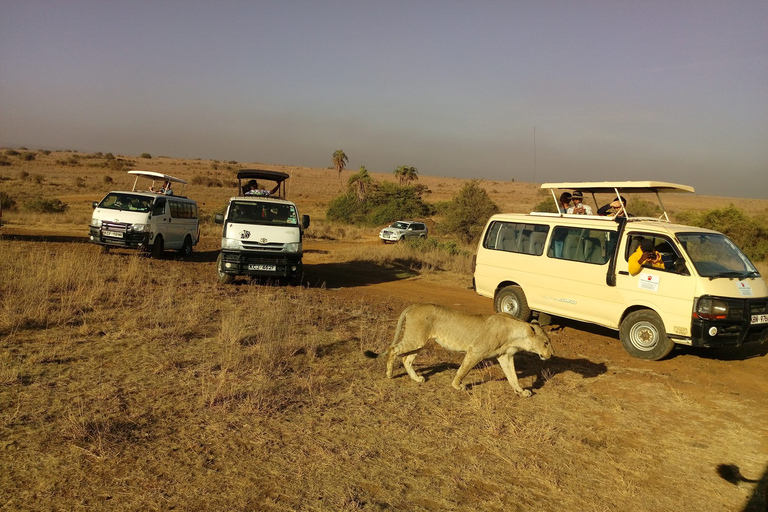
(128, 383)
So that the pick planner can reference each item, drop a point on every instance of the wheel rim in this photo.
(510, 306)
(644, 336)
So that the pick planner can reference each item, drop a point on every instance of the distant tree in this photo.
(466, 214)
(339, 161)
(406, 174)
(361, 182)
(145, 155)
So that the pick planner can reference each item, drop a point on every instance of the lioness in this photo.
(480, 336)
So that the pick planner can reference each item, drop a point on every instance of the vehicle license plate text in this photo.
(113, 234)
(259, 266)
(760, 319)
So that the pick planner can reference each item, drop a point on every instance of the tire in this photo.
(643, 335)
(423, 237)
(511, 300)
(186, 248)
(158, 247)
(223, 278)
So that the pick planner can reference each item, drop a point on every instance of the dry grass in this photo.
(149, 388)
(128, 383)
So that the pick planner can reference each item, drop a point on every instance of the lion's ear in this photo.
(533, 330)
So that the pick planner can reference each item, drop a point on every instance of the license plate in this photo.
(113, 234)
(760, 319)
(259, 266)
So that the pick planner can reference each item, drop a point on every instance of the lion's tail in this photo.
(400, 322)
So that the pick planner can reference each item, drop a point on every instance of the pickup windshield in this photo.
(714, 256)
(132, 202)
(247, 212)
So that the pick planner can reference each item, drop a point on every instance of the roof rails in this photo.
(617, 187)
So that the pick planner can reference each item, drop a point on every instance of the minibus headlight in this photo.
(292, 247)
(708, 308)
(230, 243)
(140, 228)
(96, 223)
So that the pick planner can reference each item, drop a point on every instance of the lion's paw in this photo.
(526, 392)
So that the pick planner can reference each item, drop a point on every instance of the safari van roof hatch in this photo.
(618, 187)
(151, 175)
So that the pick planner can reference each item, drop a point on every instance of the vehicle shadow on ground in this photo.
(722, 354)
(68, 239)
(351, 274)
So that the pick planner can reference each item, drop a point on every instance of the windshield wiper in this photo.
(735, 274)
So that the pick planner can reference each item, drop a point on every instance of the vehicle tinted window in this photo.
(159, 208)
(665, 247)
(180, 210)
(579, 244)
(516, 237)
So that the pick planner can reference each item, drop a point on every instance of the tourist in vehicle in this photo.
(644, 256)
(614, 208)
(579, 208)
(252, 189)
(565, 202)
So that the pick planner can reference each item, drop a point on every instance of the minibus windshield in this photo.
(121, 201)
(249, 212)
(714, 255)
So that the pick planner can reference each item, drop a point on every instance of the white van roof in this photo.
(630, 187)
(157, 176)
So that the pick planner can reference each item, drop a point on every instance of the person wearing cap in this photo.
(579, 208)
(646, 255)
(565, 202)
(614, 208)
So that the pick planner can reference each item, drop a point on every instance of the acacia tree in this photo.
(339, 161)
(361, 182)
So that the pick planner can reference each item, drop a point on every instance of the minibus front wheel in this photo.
(511, 300)
(643, 335)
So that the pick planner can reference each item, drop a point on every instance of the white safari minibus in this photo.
(700, 290)
(155, 219)
(262, 235)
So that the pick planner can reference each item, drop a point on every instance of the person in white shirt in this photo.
(579, 208)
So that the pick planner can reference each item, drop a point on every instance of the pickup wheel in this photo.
(158, 247)
(643, 335)
(511, 300)
(223, 278)
(186, 249)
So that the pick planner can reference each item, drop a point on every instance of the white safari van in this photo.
(708, 293)
(154, 219)
(263, 231)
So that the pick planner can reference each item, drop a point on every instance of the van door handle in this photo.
(623, 273)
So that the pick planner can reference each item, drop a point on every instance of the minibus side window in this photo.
(664, 245)
(159, 208)
(584, 245)
(517, 237)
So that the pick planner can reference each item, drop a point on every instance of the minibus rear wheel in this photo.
(511, 300)
(643, 335)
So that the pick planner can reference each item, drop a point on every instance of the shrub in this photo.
(6, 201)
(108, 179)
(28, 156)
(467, 213)
(11, 152)
(206, 181)
(41, 205)
(643, 208)
(4, 161)
(79, 182)
(386, 202)
(23, 175)
(750, 234)
(145, 155)
(38, 179)
(546, 205)
(44, 151)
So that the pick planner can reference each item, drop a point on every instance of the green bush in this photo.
(6, 201)
(466, 214)
(41, 205)
(145, 155)
(28, 156)
(12, 152)
(643, 208)
(108, 179)
(547, 205)
(750, 234)
(431, 244)
(386, 202)
(4, 161)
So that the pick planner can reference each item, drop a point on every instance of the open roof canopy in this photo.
(157, 176)
(630, 187)
(616, 188)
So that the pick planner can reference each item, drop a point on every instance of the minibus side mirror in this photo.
(94, 204)
(218, 218)
(305, 221)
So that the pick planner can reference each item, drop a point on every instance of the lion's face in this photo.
(540, 343)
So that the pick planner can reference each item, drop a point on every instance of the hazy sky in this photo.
(613, 90)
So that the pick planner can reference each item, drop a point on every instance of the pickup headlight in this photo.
(96, 223)
(711, 309)
(140, 228)
(292, 247)
(229, 243)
